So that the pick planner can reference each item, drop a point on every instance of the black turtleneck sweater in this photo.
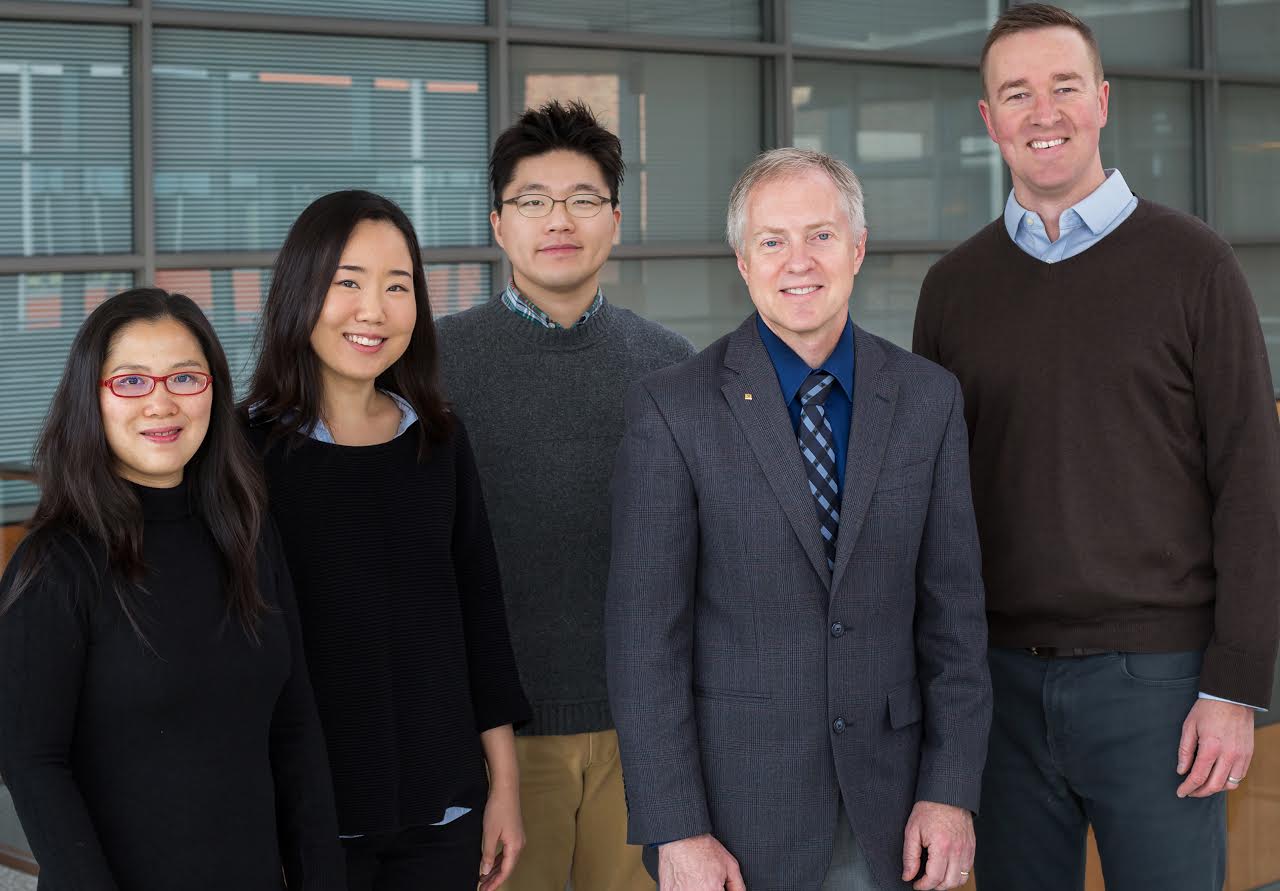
(193, 761)
(403, 617)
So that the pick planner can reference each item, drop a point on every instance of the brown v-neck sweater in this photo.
(1125, 451)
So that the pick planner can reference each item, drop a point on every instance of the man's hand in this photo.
(699, 863)
(1219, 737)
(947, 832)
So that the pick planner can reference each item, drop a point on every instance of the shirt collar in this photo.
(792, 370)
(514, 301)
(1098, 209)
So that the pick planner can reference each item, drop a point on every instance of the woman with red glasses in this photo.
(159, 730)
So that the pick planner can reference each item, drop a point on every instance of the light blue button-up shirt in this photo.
(1080, 227)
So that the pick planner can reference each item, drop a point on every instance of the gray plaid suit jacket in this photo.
(750, 685)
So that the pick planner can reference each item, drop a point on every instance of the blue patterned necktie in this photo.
(817, 447)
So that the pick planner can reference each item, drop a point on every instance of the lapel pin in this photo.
(746, 396)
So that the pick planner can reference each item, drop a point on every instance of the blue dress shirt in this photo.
(1080, 226)
(792, 370)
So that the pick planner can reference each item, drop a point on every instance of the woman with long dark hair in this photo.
(158, 728)
(374, 487)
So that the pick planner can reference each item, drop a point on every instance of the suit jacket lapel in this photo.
(874, 397)
(755, 399)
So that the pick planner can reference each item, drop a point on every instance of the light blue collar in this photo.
(1098, 210)
(320, 432)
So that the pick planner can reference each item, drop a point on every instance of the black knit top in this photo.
(403, 617)
(193, 761)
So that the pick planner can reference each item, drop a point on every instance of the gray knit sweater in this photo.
(544, 411)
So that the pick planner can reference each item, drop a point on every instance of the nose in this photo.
(799, 258)
(559, 220)
(370, 309)
(1045, 111)
(160, 403)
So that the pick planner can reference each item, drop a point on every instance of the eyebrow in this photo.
(146, 369)
(360, 269)
(768, 230)
(542, 188)
(1022, 81)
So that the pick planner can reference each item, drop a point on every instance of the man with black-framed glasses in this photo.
(538, 373)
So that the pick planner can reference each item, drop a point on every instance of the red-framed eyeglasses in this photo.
(180, 383)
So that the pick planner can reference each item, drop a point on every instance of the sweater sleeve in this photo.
(1237, 415)
(306, 817)
(924, 338)
(496, 693)
(44, 638)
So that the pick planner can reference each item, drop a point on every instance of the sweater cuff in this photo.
(1238, 676)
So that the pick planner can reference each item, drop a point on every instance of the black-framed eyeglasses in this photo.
(180, 383)
(582, 206)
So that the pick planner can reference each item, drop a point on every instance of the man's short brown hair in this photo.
(1033, 17)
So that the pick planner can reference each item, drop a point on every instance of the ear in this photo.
(1104, 100)
(860, 252)
(742, 266)
(985, 110)
(495, 222)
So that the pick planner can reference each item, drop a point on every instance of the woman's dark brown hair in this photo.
(82, 494)
(286, 387)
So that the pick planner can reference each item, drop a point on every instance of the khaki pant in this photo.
(575, 816)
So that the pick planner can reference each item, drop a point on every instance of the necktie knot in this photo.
(816, 388)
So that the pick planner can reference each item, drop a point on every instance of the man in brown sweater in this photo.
(1126, 471)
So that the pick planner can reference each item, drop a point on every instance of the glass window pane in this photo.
(1138, 32)
(65, 183)
(886, 292)
(233, 298)
(702, 299)
(451, 11)
(914, 137)
(1262, 268)
(1149, 138)
(738, 19)
(954, 28)
(1248, 34)
(688, 125)
(39, 317)
(1249, 153)
(705, 299)
(11, 834)
(250, 128)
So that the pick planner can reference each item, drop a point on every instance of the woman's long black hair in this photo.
(82, 494)
(286, 386)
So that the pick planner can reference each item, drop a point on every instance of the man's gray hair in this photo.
(784, 163)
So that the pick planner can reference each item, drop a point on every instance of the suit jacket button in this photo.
(838, 725)
(837, 629)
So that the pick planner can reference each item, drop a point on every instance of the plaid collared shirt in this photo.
(512, 300)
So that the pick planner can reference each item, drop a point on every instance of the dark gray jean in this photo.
(1094, 740)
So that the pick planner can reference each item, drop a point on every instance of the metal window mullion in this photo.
(784, 75)
(143, 148)
(42, 263)
(170, 17)
(1205, 111)
(500, 110)
(81, 13)
(267, 258)
(640, 41)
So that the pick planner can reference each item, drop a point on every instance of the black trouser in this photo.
(1094, 740)
(423, 858)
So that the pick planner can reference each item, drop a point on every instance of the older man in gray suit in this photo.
(796, 638)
